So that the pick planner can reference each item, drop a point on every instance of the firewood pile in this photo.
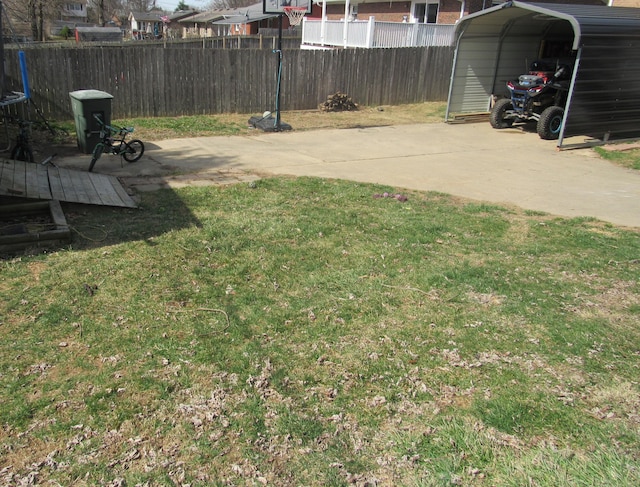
(338, 102)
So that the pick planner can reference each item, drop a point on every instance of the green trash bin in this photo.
(85, 104)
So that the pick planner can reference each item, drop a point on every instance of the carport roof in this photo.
(603, 99)
(583, 18)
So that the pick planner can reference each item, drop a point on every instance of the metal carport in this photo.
(496, 45)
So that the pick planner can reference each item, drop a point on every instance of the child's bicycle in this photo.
(112, 142)
(22, 151)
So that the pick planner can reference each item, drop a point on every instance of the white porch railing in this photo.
(335, 33)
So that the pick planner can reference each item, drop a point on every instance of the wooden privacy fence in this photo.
(153, 82)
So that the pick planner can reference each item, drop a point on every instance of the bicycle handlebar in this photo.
(18, 120)
(113, 130)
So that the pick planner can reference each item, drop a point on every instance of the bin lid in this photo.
(90, 95)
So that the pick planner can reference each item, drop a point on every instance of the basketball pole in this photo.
(279, 78)
(2, 80)
(267, 122)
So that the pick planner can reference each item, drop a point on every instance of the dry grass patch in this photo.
(300, 120)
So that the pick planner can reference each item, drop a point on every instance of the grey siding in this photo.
(606, 99)
(473, 75)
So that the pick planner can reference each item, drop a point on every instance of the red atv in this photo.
(540, 96)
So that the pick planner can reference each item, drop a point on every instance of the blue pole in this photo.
(25, 75)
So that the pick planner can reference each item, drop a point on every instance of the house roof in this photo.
(208, 16)
(245, 15)
(242, 15)
(182, 14)
(109, 30)
(243, 19)
(146, 16)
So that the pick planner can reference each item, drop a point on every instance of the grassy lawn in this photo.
(304, 332)
(237, 124)
(627, 158)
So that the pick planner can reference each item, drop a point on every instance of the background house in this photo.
(241, 21)
(418, 11)
(173, 27)
(200, 25)
(421, 11)
(249, 21)
(146, 25)
(71, 15)
(74, 11)
(393, 23)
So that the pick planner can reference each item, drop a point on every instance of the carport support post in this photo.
(453, 72)
(567, 105)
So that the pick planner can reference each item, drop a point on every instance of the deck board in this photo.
(102, 186)
(34, 181)
(43, 182)
(55, 185)
(31, 184)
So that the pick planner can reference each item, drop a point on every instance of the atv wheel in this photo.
(496, 118)
(550, 123)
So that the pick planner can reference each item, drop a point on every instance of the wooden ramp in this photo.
(35, 181)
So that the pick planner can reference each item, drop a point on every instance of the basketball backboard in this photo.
(277, 6)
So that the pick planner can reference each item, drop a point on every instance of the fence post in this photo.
(323, 25)
(345, 29)
(370, 29)
(414, 35)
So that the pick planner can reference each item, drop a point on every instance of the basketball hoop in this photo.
(295, 14)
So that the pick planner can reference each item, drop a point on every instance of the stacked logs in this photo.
(338, 102)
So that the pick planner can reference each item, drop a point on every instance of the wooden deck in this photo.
(35, 181)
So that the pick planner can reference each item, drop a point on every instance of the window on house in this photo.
(354, 12)
(75, 6)
(426, 12)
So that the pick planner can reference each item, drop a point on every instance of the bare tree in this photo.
(100, 7)
(16, 10)
(40, 11)
(102, 11)
(225, 4)
(32, 6)
(32, 13)
(140, 5)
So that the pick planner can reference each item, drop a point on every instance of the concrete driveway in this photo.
(474, 161)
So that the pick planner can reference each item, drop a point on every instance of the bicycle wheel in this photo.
(22, 153)
(97, 153)
(133, 150)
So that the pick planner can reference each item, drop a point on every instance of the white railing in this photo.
(335, 33)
